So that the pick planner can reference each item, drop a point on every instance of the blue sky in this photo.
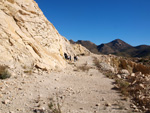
(100, 21)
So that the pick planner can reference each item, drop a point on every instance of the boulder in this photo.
(107, 67)
(124, 73)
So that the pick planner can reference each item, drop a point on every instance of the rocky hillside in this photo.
(138, 51)
(87, 44)
(28, 38)
(113, 47)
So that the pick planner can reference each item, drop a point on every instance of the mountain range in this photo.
(116, 47)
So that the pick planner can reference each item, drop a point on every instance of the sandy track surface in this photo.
(76, 91)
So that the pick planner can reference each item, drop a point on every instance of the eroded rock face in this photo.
(28, 38)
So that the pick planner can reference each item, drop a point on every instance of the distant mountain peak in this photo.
(118, 41)
(113, 46)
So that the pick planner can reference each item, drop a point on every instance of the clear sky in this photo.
(100, 21)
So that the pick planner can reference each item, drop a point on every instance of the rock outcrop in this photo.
(28, 38)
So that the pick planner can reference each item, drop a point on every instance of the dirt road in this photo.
(75, 90)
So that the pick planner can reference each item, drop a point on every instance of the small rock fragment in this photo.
(97, 104)
(6, 101)
(107, 104)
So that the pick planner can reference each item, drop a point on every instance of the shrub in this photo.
(123, 64)
(109, 74)
(54, 106)
(97, 63)
(141, 68)
(123, 86)
(4, 72)
(115, 62)
(83, 68)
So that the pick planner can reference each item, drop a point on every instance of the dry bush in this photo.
(84, 68)
(126, 64)
(120, 63)
(109, 74)
(141, 68)
(96, 63)
(123, 64)
(4, 72)
(28, 69)
(138, 89)
(115, 62)
(54, 106)
(123, 86)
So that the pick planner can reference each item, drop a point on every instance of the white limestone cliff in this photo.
(28, 38)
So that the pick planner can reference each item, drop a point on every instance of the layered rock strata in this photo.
(28, 38)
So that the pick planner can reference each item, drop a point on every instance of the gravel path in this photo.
(75, 90)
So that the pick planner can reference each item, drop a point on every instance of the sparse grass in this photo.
(123, 86)
(109, 74)
(121, 105)
(28, 69)
(4, 72)
(97, 63)
(54, 106)
(84, 68)
(122, 83)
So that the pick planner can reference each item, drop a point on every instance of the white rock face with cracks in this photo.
(27, 37)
